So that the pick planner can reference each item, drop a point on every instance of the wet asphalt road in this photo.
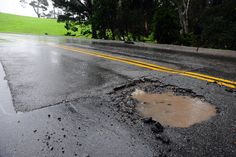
(57, 101)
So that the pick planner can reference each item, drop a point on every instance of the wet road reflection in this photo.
(6, 105)
(42, 76)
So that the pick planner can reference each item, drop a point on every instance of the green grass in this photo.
(29, 25)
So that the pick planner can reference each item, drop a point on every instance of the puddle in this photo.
(172, 110)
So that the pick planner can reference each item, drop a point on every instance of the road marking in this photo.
(220, 81)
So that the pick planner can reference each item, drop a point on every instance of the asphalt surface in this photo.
(57, 102)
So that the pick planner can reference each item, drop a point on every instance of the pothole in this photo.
(167, 104)
(173, 110)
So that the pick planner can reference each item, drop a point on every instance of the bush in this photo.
(188, 39)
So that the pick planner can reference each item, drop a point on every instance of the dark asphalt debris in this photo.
(148, 120)
(217, 110)
(51, 148)
(163, 139)
(229, 90)
(35, 131)
(48, 137)
(59, 119)
(157, 128)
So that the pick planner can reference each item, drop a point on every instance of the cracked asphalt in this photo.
(56, 102)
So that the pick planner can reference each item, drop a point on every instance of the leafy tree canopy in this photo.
(208, 23)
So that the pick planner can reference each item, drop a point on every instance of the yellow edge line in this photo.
(165, 68)
(219, 81)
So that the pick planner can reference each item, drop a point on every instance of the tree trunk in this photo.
(113, 34)
(38, 10)
(54, 12)
(94, 33)
(37, 13)
(183, 8)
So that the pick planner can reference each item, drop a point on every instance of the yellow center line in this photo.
(220, 81)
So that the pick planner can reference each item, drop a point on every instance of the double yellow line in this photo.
(220, 81)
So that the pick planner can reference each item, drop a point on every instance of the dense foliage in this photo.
(208, 23)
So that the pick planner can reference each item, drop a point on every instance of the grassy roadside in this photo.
(29, 25)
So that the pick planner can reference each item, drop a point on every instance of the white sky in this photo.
(14, 7)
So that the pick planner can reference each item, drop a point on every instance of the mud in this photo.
(151, 129)
(127, 105)
(171, 110)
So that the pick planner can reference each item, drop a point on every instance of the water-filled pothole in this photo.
(172, 110)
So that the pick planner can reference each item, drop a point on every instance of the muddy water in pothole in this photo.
(172, 110)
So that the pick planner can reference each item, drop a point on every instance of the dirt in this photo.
(171, 110)
(126, 105)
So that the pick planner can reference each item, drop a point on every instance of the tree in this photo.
(219, 25)
(148, 12)
(183, 11)
(134, 18)
(131, 19)
(104, 18)
(166, 23)
(209, 23)
(54, 13)
(80, 11)
(39, 6)
(122, 19)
